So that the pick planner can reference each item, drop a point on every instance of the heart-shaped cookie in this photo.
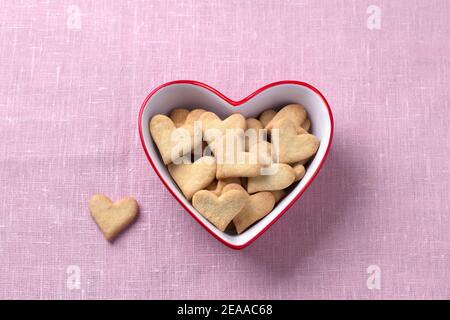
(178, 116)
(187, 94)
(220, 210)
(113, 218)
(246, 166)
(232, 160)
(290, 146)
(294, 112)
(192, 177)
(306, 125)
(282, 177)
(257, 207)
(278, 195)
(299, 170)
(263, 152)
(194, 115)
(218, 185)
(233, 186)
(214, 129)
(266, 116)
(254, 132)
(211, 121)
(173, 142)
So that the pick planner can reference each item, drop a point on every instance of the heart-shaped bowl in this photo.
(191, 94)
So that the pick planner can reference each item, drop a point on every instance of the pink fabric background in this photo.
(69, 102)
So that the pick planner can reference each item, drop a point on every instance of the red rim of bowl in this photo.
(237, 103)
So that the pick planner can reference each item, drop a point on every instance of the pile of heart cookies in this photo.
(235, 170)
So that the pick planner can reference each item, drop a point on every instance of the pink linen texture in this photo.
(74, 74)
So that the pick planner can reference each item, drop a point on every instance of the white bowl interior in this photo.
(191, 96)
